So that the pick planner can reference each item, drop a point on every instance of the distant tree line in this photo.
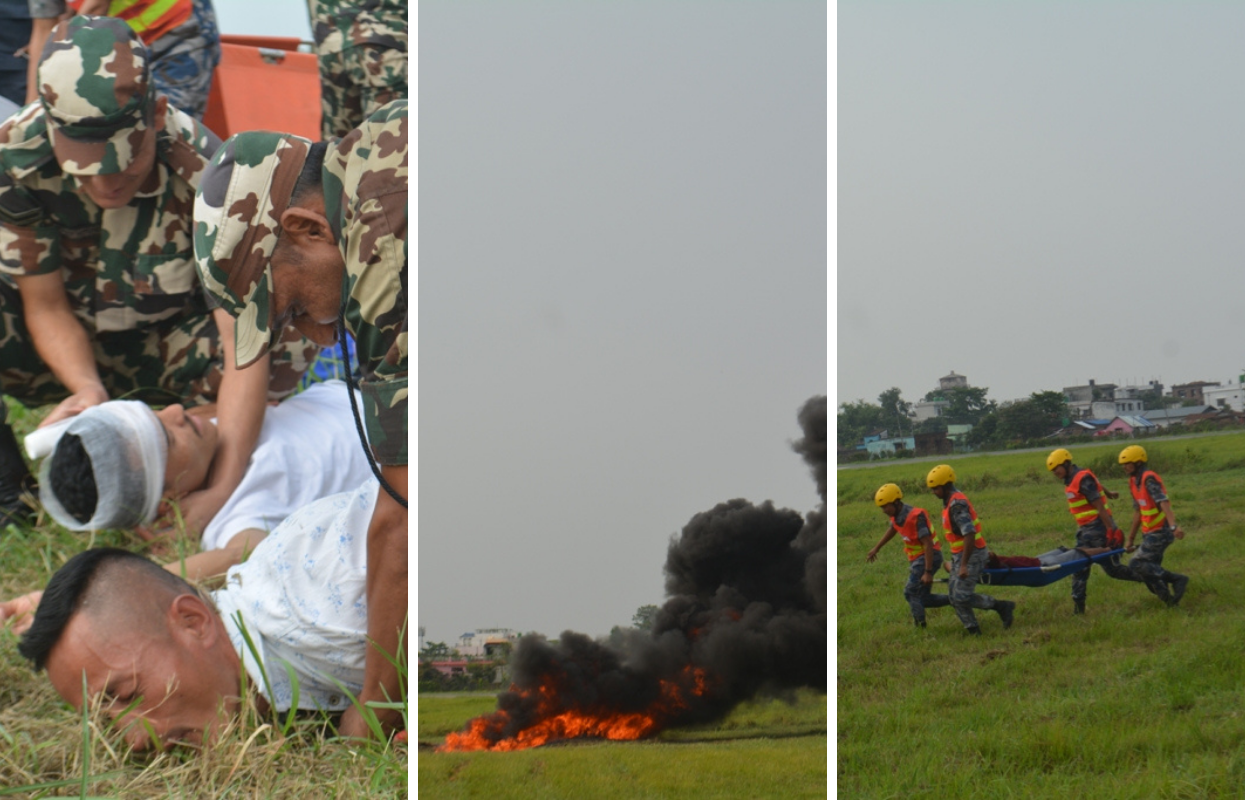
(995, 426)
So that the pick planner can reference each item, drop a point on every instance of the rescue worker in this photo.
(313, 235)
(1095, 524)
(99, 296)
(1152, 514)
(180, 35)
(920, 545)
(361, 52)
(969, 553)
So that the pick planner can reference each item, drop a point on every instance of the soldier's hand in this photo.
(927, 579)
(963, 572)
(20, 612)
(872, 555)
(76, 403)
(1178, 532)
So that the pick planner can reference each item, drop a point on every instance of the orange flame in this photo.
(554, 723)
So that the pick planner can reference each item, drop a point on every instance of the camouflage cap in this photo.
(238, 208)
(95, 85)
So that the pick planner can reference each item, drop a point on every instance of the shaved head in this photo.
(112, 587)
(119, 628)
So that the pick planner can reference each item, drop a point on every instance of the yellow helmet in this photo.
(940, 476)
(1056, 458)
(887, 494)
(1132, 454)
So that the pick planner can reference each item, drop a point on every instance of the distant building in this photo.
(1107, 399)
(1167, 417)
(1229, 396)
(952, 381)
(486, 641)
(1127, 425)
(1081, 427)
(880, 448)
(932, 444)
(450, 668)
(1130, 399)
(1191, 391)
(1081, 399)
(930, 409)
(958, 434)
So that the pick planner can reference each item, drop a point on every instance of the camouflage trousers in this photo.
(356, 81)
(176, 361)
(1147, 563)
(1095, 535)
(963, 591)
(182, 60)
(918, 595)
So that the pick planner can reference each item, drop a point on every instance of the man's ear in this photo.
(191, 620)
(306, 226)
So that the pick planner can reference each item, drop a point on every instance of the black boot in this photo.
(1078, 606)
(1005, 609)
(1178, 583)
(17, 486)
(973, 631)
(920, 623)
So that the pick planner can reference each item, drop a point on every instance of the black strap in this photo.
(354, 407)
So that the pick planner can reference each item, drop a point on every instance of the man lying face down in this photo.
(117, 460)
(166, 661)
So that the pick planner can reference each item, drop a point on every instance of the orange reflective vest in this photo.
(1082, 510)
(953, 538)
(1152, 517)
(912, 546)
(150, 19)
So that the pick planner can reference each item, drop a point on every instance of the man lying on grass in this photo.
(116, 460)
(167, 663)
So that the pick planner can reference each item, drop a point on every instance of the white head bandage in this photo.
(128, 452)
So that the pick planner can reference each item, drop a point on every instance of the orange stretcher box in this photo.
(264, 83)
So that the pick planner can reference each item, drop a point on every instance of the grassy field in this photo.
(1131, 700)
(764, 749)
(44, 743)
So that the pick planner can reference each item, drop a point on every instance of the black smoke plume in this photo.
(746, 613)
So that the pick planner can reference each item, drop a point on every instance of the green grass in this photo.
(764, 749)
(1132, 700)
(45, 743)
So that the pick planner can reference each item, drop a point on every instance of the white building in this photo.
(1229, 395)
(480, 641)
(928, 409)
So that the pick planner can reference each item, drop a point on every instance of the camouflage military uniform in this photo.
(962, 592)
(361, 49)
(128, 272)
(238, 210)
(915, 592)
(365, 186)
(1147, 563)
(182, 59)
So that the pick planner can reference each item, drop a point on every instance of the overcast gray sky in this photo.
(1034, 194)
(622, 292)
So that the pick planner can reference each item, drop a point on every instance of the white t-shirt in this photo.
(302, 596)
(308, 448)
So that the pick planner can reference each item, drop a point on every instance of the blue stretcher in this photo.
(1041, 576)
